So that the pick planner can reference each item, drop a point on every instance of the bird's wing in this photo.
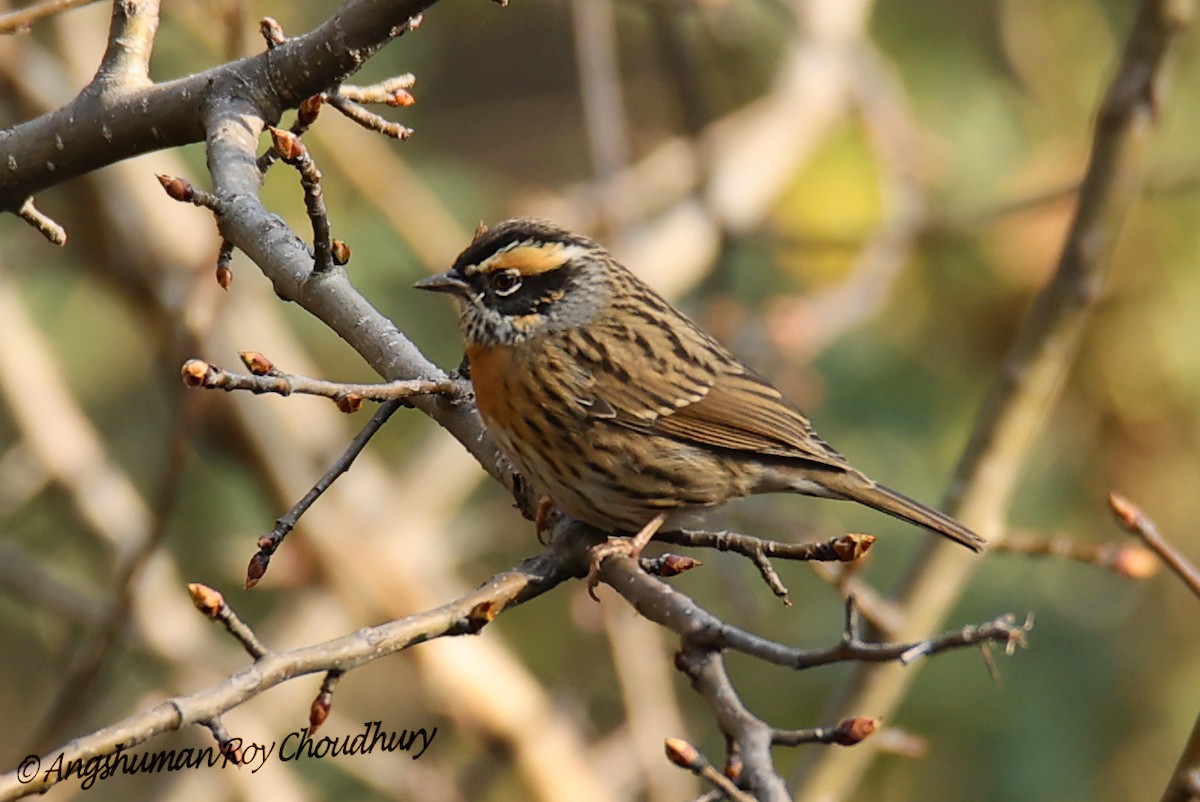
(713, 401)
(741, 411)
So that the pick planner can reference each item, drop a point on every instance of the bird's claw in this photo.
(623, 547)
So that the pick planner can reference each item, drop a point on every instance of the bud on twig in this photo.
(401, 97)
(681, 753)
(179, 189)
(195, 372)
(350, 403)
(851, 731)
(256, 363)
(286, 144)
(309, 108)
(272, 32)
(256, 569)
(340, 251)
(319, 711)
(851, 547)
(205, 599)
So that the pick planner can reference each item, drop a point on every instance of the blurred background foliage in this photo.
(963, 139)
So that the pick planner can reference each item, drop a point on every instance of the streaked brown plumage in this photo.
(617, 406)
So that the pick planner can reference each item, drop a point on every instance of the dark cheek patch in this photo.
(533, 299)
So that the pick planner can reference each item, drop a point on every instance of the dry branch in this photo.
(121, 113)
(461, 616)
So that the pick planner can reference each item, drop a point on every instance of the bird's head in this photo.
(523, 278)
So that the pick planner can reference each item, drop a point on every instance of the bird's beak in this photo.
(444, 282)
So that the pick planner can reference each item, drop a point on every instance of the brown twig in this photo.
(306, 115)
(389, 92)
(323, 703)
(839, 549)
(22, 19)
(876, 608)
(294, 152)
(134, 115)
(224, 273)
(284, 524)
(52, 231)
(185, 191)
(668, 607)
(847, 732)
(507, 589)
(369, 119)
(212, 603)
(227, 743)
(748, 737)
(1130, 560)
(1140, 524)
(844, 548)
(687, 756)
(200, 374)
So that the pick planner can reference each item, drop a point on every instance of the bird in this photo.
(626, 414)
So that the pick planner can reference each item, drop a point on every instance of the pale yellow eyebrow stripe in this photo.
(531, 260)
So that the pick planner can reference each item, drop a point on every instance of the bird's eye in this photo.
(506, 282)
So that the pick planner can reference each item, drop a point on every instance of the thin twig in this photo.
(318, 711)
(666, 606)
(369, 119)
(268, 543)
(389, 92)
(200, 374)
(748, 737)
(505, 590)
(687, 756)
(847, 732)
(844, 548)
(883, 614)
(20, 20)
(1130, 560)
(294, 152)
(185, 191)
(228, 744)
(52, 231)
(1140, 524)
(839, 549)
(224, 273)
(212, 603)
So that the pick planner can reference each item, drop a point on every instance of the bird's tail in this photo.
(865, 491)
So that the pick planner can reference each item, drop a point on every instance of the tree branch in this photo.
(120, 114)
(465, 615)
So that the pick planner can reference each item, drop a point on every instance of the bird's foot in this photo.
(542, 520)
(620, 546)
